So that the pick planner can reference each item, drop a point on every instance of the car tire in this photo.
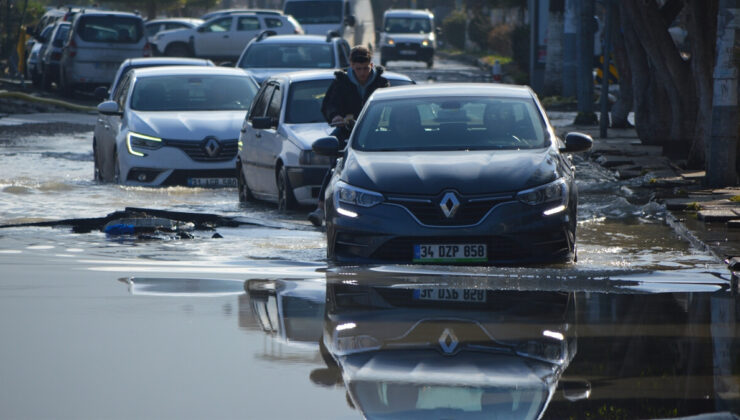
(286, 199)
(97, 177)
(116, 169)
(177, 50)
(45, 80)
(245, 195)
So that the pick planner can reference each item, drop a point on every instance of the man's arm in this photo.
(331, 105)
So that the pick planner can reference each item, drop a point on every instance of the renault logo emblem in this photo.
(212, 147)
(449, 205)
(448, 341)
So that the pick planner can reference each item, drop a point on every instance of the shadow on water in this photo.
(535, 343)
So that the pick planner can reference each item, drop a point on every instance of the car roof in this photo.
(175, 19)
(408, 13)
(454, 89)
(188, 70)
(148, 61)
(294, 39)
(322, 74)
(107, 13)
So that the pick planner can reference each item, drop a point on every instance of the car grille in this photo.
(198, 150)
(470, 211)
(408, 45)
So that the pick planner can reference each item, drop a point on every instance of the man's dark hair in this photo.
(360, 54)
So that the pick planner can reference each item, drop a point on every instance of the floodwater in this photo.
(254, 323)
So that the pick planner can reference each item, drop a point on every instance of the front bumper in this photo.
(409, 51)
(513, 232)
(306, 183)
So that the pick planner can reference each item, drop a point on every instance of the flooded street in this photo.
(250, 321)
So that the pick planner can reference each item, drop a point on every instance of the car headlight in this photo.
(391, 42)
(136, 141)
(425, 43)
(555, 194)
(354, 344)
(546, 350)
(347, 194)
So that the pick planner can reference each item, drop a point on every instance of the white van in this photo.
(351, 19)
(408, 34)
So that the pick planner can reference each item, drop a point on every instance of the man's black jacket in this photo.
(342, 97)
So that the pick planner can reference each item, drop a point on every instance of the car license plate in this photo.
(212, 182)
(431, 253)
(407, 52)
(451, 295)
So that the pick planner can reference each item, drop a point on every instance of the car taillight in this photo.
(147, 50)
(72, 48)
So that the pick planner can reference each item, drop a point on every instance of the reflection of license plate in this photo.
(212, 182)
(451, 295)
(450, 253)
(407, 52)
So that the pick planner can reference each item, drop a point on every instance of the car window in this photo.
(218, 25)
(304, 102)
(399, 82)
(122, 90)
(308, 56)
(260, 104)
(273, 23)
(451, 124)
(175, 25)
(193, 93)
(116, 29)
(247, 23)
(343, 53)
(273, 109)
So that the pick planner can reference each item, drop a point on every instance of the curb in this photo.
(49, 101)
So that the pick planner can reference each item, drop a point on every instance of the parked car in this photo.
(102, 92)
(408, 35)
(453, 173)
(33, 67)
(97, 44)
(222, 38)
(155, 26)
(267, 55)
(275, 162)
(176, 125)
(51, 54)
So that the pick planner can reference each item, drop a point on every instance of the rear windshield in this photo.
(303, 56)
(193, 93)
(449, 123)
(115, 29)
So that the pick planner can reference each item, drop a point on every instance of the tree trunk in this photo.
(652, 116)
(702, 25)
(623, 106)
(671, 72)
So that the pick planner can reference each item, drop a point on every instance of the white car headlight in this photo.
(425, 43)
(554, 193)
(347, 194)
(136, 141)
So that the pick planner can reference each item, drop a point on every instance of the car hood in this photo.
(468, 172)
(188, 125)
(305, 134)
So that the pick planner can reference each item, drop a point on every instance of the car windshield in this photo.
(315, 12)
(304, 102)
(451, 123)
(304, 56)
(193, 93)
(406, 25)
(118, 29)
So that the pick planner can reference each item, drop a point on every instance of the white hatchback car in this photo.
(176, 125)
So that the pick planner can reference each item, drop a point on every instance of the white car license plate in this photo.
(451, 295)
(407, 52)
(212, 182)
(431, 253)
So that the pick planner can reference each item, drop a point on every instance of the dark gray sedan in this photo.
(453, 173)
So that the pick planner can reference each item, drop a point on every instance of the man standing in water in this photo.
(343, 102)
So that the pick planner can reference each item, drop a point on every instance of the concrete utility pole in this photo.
(722, 147)
(585, 47)
(569, 49)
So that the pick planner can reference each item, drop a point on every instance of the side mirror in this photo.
(262, 123)
(326, 146)
(100, 93)
(109, 108)
(350, 20)
(577, 142)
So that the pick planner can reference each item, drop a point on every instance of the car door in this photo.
(212, 39)
(244, 29)
(252, 142)
(107, 129)
(272, 142)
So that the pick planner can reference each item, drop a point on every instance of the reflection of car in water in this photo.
(289, 309)
(415, 350)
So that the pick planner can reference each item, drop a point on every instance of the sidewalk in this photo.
(708, 218)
